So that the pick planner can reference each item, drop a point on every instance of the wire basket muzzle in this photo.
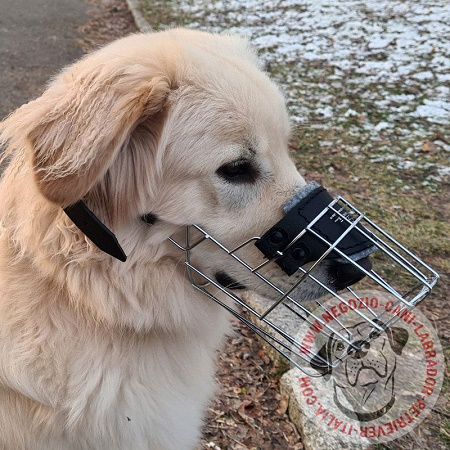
(332, 231)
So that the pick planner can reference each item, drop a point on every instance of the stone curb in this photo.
(315, 431)
(314, 436)
(141, 23)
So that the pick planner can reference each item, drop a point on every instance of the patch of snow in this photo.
(406, 164)
(326, 112)
(384, 158)
(443, 171)
(378, 41)
(364, 42)
(424, 75)
(434, 110)
(351, 113)
(443, 145)
(382, 126)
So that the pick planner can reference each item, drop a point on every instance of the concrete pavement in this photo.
(37, 39)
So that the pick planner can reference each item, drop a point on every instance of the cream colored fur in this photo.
(99, 354)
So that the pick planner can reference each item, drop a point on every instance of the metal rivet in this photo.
(276, 237)
(298, 253)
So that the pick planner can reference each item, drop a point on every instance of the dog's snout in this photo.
(349, 274)
(364, 348)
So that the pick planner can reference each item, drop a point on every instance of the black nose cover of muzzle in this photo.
(276, 243)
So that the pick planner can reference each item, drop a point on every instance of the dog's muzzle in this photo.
(317, 231)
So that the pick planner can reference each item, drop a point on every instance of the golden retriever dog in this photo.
(95, 353)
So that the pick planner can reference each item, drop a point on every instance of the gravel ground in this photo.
(109, 20)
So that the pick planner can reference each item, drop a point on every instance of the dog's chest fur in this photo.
(79, 384)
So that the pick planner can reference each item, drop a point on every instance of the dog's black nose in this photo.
(348, 274)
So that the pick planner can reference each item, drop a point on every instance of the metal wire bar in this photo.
(270, 339)
(435, 275)
(419, 274)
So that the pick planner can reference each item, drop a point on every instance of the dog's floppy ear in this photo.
(398, 337)
(77, 127)
(322, 360)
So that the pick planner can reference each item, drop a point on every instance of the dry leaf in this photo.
(284, 403)
(428, 147)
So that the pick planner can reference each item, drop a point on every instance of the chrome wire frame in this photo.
(413, 279)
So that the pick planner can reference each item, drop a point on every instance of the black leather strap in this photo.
(310, 247)
(95, 229)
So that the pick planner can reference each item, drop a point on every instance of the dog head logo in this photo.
(381, 389)
(366, 379)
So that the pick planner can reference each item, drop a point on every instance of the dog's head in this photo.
(182, 126)
(366, 378)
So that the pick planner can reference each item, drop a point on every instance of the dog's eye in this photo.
(340, 346)
(238, 172)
